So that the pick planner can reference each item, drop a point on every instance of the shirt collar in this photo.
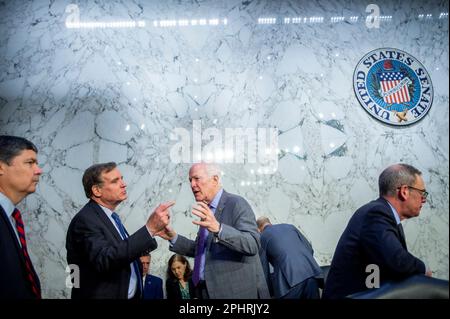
(107, 211)
(215, 202)
(7, 205)
(394, 211)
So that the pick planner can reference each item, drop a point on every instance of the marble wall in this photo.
(87, 93)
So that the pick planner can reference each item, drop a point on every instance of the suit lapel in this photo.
(18, 247)
(12, 234)
(390, 213)
(221, 206)
(218, 215)
(105, 220)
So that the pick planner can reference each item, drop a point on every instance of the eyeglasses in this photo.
(423, 192)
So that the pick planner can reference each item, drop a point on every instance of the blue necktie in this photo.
(124, 234)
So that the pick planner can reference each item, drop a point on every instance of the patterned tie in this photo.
(124, 234)
(202, 235)
(34, 281)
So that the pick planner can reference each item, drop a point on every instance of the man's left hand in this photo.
(207, 218)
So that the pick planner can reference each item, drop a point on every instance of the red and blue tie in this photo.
(32, 278)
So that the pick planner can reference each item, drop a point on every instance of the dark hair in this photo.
(92, 176)
(183, 260)
(146, 253)
(12, 146)
(395, 176)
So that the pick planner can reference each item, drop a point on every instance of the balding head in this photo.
(396, 175)
(262, 222)
(403, 186)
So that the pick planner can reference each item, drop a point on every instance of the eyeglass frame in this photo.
(423, 192)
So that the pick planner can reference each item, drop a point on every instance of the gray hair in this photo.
(395, 176)
(213, 169)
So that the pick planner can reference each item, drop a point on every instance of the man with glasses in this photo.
(374, 237)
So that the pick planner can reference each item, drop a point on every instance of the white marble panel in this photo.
(77, 131)
(88, 95)
(278, 117)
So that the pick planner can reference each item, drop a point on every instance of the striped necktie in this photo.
(31, 276)
(136, 267)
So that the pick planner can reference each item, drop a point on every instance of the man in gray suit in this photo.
(227, 244)
(295, 271)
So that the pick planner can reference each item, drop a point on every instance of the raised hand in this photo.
(160, 218)
(167, 233)
(207, 218)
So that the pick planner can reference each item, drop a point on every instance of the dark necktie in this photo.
(201, 241)
(34, 281)
(402, 233)
(124, 234)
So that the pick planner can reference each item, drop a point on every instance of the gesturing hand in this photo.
(207, 218)
(166, 233)
(160, 218)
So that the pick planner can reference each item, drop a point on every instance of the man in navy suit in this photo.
(98, 243)
(152, 284)
(19, 175)
(374, 237)
(295, 271)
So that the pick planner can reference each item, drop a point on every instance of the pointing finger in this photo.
(166, 205)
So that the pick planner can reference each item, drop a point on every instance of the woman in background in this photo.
(179, 284)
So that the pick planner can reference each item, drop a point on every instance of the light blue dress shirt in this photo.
(133, 278)
(396, 215)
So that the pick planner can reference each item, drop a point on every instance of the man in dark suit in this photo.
(19, 175)
(98, 244)
(295, 270)
(226, 249)
(373, 244)
(152, 285)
